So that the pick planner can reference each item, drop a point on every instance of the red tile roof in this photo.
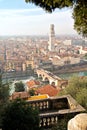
(22, 95)
(32, 83)
(48, 89)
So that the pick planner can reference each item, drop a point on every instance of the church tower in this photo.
(51, 41)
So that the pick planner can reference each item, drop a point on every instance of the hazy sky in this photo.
(20, 18)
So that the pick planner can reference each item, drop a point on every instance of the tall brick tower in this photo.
(51, 41)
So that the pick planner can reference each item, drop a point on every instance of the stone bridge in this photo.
(48, 76)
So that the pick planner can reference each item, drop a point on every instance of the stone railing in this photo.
(42, 105)
(52, 109)
(48, 119)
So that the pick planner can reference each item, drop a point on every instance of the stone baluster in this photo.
(44, 121)
(41, 105)
(47, 104)
(37, 104)
(40, 122)
(52, 120)
(48, 121)
(34, 105)
(56, 119)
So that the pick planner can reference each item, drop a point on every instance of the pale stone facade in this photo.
(79, 122)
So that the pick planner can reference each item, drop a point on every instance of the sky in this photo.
(20, 18)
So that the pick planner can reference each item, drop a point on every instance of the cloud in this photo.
(13, 12)
(34, 21)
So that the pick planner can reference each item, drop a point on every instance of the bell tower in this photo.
(51, 41)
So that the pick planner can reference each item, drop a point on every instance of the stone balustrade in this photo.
(49, 120)
(53, 108)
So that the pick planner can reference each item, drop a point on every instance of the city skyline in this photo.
(20, 18)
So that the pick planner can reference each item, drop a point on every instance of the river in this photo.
(27, 78)
(69, 75)
(24, 80)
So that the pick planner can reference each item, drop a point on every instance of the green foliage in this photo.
(85, 57)
(4, 95)
(62, 125)
(4, 91)
(19, 116)
(81, 97)
(79, 11)
(77, 88)
(19, 87)
(50, 5)
(32, 92)
(80, 18)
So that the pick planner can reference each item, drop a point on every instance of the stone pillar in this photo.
(79, 122)
(24, 67)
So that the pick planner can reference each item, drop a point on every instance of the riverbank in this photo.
(69, 75)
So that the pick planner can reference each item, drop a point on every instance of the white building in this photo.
(82, 50)
(67, 42)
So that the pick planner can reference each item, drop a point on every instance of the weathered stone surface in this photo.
(79, 122)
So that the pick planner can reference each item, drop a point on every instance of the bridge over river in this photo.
(56, 72)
